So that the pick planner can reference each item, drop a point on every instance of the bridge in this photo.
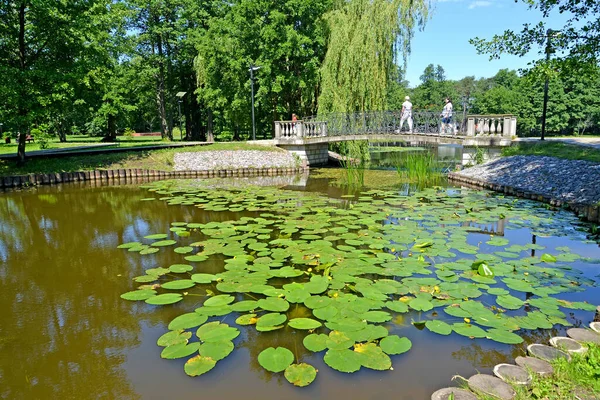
(309, 138)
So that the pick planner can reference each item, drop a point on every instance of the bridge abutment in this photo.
(314, 154)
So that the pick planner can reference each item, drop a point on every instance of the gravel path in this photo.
(208, 160)
(568, 180)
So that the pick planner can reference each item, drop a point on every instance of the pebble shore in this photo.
(215, 160)
(569, 181)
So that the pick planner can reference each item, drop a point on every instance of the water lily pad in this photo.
(247, 319)
(218, 301)
(186, 321)
(174, 337)
(372, 356)
(245, 305)
(343, 360)
(273, 304)
(128, 245)
(469, 330)
(549, 258)
(304, 323)
(271, 319)
(216, 332)
(136, 295)
(183, 250)
(199, 365)
(196, 258)
(510, 302)
(439, 327)
(162, 243)
(300, 374)
(316, 342)
(180, 268)
(275, 359)
(148, 251)
(216, 350)
(179, 350)
(338, 341)
(164, 299)
(501, 336)
(179, 284)
(420, 304)
(393, 345)
(157, 236)
(203, 278)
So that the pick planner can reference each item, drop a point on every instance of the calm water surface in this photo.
(66, 333)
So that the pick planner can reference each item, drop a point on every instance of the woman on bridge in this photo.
(406, 115)
(446, 116)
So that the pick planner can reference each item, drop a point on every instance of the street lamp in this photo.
(549, 33)
(252, 69)
(179, 96)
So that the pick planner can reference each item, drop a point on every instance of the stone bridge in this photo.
(309, 138)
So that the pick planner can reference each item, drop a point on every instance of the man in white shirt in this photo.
(407, 114)
(446, 116)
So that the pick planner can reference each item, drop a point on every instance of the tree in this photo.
(44, 47)
(364, 38)
(434, 87)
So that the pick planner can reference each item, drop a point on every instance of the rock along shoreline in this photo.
(573, 184)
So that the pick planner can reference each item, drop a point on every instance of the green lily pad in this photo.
(343, 360)
(420, 304)
(218, 301)
(187, 321)
(247, 319)
(180, 350)
(183, 250)
(163, 299)
(338, 341)
(393, 345)
(275, 359)
(244, 306)
(509, 302)
(174, 337)
(439, 327)
(136, 295)
(203, 278)
(157, 236)
(162, 243)
(216, 332)
(315, 342)
(179, 284)
(300, 374)
(271, 319)
(501, 336)
(304, 323)
(469, 330)
(216, 350)
(273, 304)
(372, 356)
(548, 258)
(199, 365)
(180, 268)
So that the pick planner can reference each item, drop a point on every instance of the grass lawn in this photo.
(145, 159)
(553, 149)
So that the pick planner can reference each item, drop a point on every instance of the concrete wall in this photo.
(313, 154)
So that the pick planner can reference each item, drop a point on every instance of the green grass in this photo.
(582, 372)
(144, 159)
(85, 140)
(553, 149)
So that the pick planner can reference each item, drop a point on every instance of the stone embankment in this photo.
(574, 184)
(207, 164)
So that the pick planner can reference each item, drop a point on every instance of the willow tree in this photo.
(364, 40)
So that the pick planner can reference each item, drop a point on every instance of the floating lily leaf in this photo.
(394, 345)
(183, 250)
(275, 359)
(315, 302)
(343, 360)
(199, 365)
(273, 304)
(180, 268)
(304, 323)
(179, 350)
(138, 295)
(243, 306)
(316, 342)
(157, 236)
(203, 278)
(420, 304)
(196, 258)
(510, 302)
(439, 327)
(397, 306)
(162, 243)
(216, 332)
(469, 330)
(371, 356)
(247, 319)
(271, 319)
(128, 245)
(300, 374)
(149, 251)
(219, 301)
(179, 284)
(501, 336)
(497, 241)
(549, 258)
(174, 337)
(163, 299)
(186, 321)
(216, 350)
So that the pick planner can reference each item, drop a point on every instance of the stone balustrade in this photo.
(300, 129)
(492, 125)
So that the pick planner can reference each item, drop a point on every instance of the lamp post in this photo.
(252, 69)
(179, 96)
(549, 34)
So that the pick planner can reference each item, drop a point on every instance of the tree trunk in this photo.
(209, 127)
(160, 88)
(22, 66)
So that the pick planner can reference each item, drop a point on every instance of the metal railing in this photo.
(391, 122)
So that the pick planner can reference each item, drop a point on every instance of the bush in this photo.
(128, 132)
(42, 138)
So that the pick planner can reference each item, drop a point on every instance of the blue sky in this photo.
(445, 39)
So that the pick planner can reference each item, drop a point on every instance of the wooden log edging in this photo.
(590, 212)
(17, 181)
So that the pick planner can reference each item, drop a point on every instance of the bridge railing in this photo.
(391, 122)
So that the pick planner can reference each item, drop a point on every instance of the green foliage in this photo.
(421, 168)
(553, 149)
(363, 40)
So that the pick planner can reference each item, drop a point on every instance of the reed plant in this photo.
(355, 159)
(421, 168)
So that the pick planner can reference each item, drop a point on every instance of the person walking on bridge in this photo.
(446, 116)
(406, 114)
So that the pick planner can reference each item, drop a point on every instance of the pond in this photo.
(400, 288)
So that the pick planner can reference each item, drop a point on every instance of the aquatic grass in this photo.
(355, 160)
(420, 168)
